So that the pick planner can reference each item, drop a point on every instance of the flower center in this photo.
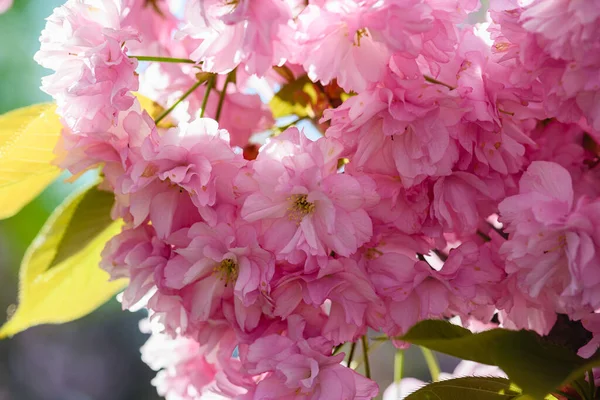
(227, 271)
(561, 242)
(373, 253)
(231, 3)
(300, 207)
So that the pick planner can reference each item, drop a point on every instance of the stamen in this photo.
(300, 207)
(227, 271)
(561, 243)
(359, 34)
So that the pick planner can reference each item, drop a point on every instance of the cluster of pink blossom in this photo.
(458, 178)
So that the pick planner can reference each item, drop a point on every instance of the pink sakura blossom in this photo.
(462, 201)
(184, 373)
(423, 28)
(472, 272)
(334, 43)
(198, 277)
(591, 323)
(493, 135)
(302, 203)
(5, 5)
(136, 254)
(562, 144)
(221, 263)
(296, 367)
(254, 266)
(189, 371)
(254, 34)
(93, 78)
(556, 42)
(80, 151)
(156, 26)
(354, 305)
(518, 310)
(414, 291)
(358, 39)
(410, 124)
(552, 237)
(193, 160)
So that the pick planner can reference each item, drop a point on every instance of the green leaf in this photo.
(60, 279)
(90, 217)
(534, 364)
(470, 388)
(27, 139)
(294, 98)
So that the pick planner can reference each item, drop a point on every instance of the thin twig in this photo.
(433, 80)
(365, 348)
(337, 349)
(432, 364)
(228, 79)
(209, 86)
(351, 355)
(183, 97)
(592, 384)
(165, 59)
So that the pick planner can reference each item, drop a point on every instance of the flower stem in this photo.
(183, 97)
(365, 348)
(230, 77)
(398, 370)
(351, 355)
(209, 86)
(590, 374)
(433, 80)
(280, 129)
(164, 59)
(432, 364)
(337, 349)
(398, 366)
(576, 384)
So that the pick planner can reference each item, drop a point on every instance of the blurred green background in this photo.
(94, 358)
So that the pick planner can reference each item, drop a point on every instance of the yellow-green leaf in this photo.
(154, 110)
(60, 279)
(533, 363)
(27, 139)
(294, 98)
(468, 388)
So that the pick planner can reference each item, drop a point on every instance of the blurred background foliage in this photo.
(97, 357)
(94, 358)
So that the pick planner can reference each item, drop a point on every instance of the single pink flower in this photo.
(295, 367)
(592, 323)
(5, 5)
(183, 370)
(462, 201)
(195, 161)
(353, 303)
(409, 123)
(135, 254)
(254, 34)
(333, 44)
(94, 78)
(303, 203)
(552, 238)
